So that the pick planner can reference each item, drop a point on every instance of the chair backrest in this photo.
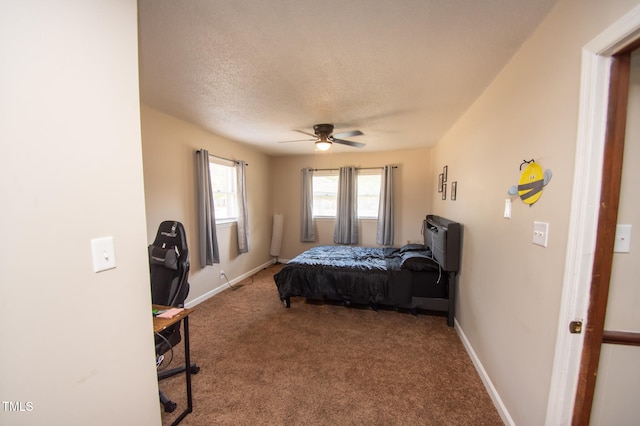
(169, 265)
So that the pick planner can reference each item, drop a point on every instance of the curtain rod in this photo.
(227, 159)
(357, 168)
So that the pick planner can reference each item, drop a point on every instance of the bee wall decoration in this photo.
(532, 180)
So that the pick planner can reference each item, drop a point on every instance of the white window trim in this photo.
(371, 172)
(225, 222)
(364, 171)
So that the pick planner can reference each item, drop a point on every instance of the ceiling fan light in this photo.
(323, 145)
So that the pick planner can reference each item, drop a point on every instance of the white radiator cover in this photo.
(276, 237)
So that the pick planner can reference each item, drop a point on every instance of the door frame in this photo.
(585, 205)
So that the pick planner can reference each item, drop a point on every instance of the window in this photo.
(223, 186)
(368, 193)
(325, 193)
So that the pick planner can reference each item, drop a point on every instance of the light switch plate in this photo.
(507, 208)
(104, 256)
(622, 243)
(540, 233)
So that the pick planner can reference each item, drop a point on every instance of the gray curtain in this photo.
(209, 253)
(384, 234)
(243, 213)
(307, 228)
(346, 230)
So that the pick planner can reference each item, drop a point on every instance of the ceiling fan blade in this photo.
(349, 143)
(348, 134)
(299, 140)
(306, 133)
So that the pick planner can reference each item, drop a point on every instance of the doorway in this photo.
(595, 334)
(597, 64)
(614, 393)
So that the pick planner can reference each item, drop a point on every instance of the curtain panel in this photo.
(346, 229)
(243, 212)
(307, 227)
(208, 240)
(384, 234)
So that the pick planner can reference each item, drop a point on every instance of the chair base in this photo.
(170, 406)
(165, 374)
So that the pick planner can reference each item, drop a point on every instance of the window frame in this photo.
(370, 172)
(335, 173)
(319, 174)
(232, 197)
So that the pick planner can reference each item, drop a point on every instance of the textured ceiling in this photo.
(255, 71)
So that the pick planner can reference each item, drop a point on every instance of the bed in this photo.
(414, 276)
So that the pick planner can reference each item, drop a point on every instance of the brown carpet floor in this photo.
(323, 364)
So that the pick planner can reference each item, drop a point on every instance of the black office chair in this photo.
(169, 268)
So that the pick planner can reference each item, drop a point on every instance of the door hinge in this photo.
(575, 327)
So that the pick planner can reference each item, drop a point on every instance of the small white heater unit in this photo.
(276, 236)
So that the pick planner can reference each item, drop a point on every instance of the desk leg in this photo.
(187, 357)
(187, 363)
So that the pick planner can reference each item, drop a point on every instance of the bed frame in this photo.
(413, 288)
(442, 236)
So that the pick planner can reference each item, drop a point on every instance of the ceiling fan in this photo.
(324, 137)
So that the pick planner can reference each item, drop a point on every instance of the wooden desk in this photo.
(160, 324)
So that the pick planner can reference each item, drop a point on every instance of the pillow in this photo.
(166, 257)
(419, 262)
(412, 247)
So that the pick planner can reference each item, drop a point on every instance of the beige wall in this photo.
(76, 344)
(71, 111)
(169, 146)
(510, 289)
(413, 185)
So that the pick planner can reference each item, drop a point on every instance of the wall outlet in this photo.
(222, 274)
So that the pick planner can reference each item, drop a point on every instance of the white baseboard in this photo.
(493, 393)
(211, 293)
